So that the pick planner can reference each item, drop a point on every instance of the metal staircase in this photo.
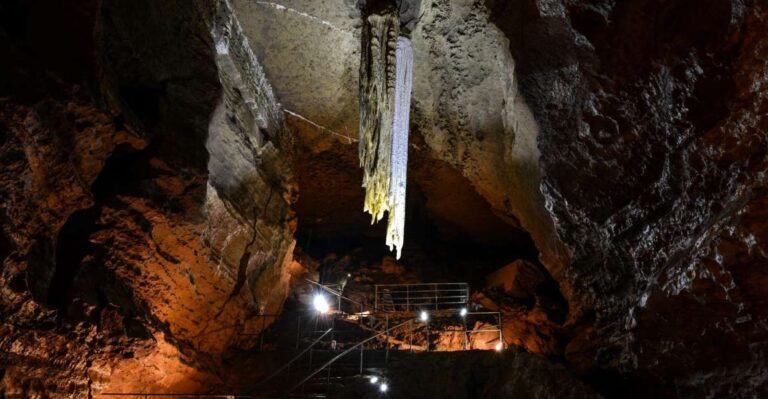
(344, 348)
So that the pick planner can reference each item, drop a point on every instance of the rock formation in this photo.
(146, 225)
(163, 161)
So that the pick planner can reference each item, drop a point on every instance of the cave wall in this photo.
(468, 110)
(653, 144)
(146, 177)
(145, 201)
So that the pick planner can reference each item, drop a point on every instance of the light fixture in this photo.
(499, 346)
(463, 312)
(383, 387)
(424, 316)
(374, 379)
(321, 304)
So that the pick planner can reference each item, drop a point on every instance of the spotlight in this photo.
(374, 379)
(499, 346)
(321, 304)
(463, 312)
(383, 387)
(424, 316)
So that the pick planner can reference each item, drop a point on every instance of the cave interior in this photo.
(182, 207)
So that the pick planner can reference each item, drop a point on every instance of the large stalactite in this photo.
(399, 159)
(383, 142)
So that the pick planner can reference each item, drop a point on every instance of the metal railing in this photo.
(408, 297)
(359, 346)
(297, 357)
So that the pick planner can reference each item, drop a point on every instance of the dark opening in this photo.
(452, 233)
(71, 248)
(3, 133)
(122, 173)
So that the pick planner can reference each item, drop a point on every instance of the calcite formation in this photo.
(386, 81)
(398, 177)
(377, 105)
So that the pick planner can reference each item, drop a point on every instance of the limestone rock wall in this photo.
(145, 205)
(653, 138)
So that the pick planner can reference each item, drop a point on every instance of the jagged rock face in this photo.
(146, 186)
(144, 225)
(531, 305)
(653, 142)
(646, 120)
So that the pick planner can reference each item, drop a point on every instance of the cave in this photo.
(383, 198)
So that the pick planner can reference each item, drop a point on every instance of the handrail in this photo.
(412, 284)
(297, 357)
(419, 295)
(338, 294)
(342, 354)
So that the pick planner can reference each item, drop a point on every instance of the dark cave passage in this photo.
(451, 231)
(72, 247)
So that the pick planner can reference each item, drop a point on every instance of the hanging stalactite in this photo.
(377, 103)
(399, 154)
(386, 70)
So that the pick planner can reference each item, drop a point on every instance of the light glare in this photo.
(374, 379)
(424, 316)
(321, 305)
(499, 347)
(383, 387)
(463, 312)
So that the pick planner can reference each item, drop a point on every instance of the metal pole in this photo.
(298, 331)
(339, 356)
(294, 359)
(386, 353)
(501, 332)
(309, 366)
(466, 333)
(435, 287)
(407, 298)
(361, 360)
(410, 334)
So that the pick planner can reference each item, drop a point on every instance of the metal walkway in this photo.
(334, 351)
